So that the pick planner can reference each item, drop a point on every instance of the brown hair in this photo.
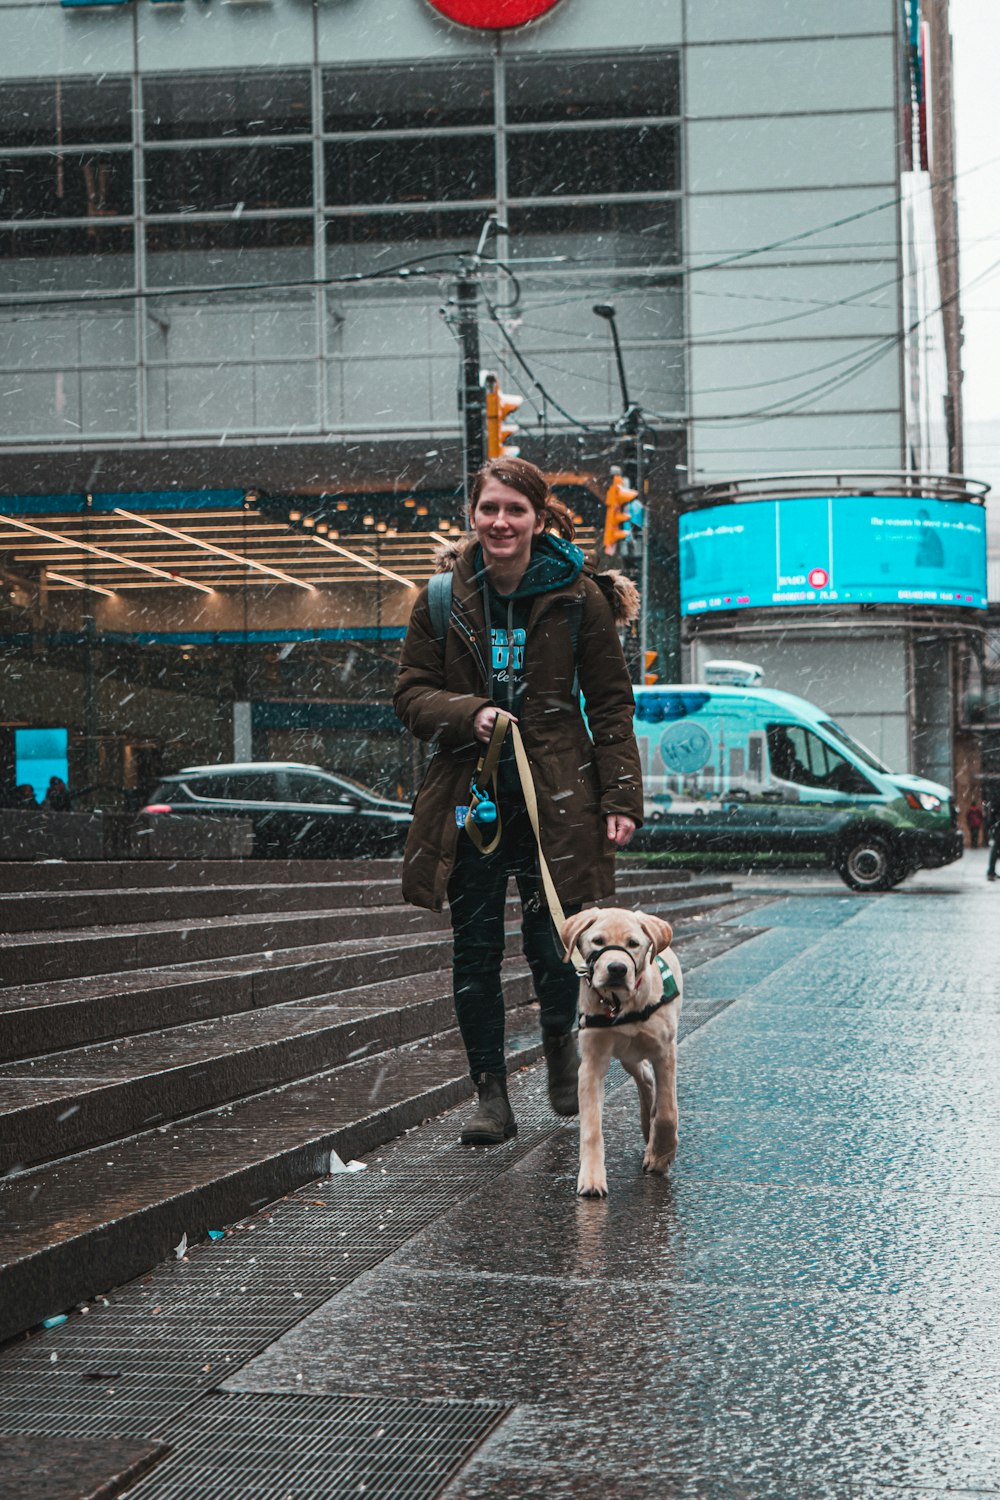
(530, 482)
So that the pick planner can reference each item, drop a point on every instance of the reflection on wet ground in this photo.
(807, 1308)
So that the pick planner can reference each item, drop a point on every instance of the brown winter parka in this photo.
(579, 777)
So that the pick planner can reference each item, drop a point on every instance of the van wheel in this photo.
(867, 862)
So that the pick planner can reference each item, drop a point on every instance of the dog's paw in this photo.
(651, 1163)
(592, 1185)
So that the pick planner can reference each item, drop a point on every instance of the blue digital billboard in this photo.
(837, 549)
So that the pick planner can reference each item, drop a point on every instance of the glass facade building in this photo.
(231, 237)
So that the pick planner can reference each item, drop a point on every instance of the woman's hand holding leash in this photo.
(620, 829)
(484, 722)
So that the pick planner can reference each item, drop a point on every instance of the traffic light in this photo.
(649, 677)
(498, 408)
(617, 522)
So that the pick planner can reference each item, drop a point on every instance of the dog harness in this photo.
(613, 1014)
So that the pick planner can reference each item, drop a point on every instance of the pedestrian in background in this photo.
(528, 620)
(993, 839)
(57, 797)
(974, 822)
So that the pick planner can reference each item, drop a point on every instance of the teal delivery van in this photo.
(744, 770)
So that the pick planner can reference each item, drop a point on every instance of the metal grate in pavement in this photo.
(323, 1447)
(142, 1405)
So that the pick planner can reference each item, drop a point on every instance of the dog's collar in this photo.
(632, 1017)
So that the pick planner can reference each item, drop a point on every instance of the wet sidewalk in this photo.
(807, 1307)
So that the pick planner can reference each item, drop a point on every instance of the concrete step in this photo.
(294, 1089)
(91, 1221)
(35, 956)
(75, 1228)
(54, 1014)
(55, 875)
(70, 1101)
(47, 1017)
(66, 909)
(141, 874)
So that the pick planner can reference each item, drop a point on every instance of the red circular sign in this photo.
(492, 15)
(819, 578)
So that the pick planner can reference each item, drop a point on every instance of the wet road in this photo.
(808, 1307)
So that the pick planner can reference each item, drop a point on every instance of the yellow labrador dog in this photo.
(630, 1003)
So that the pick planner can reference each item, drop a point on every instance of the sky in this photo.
(975, 29)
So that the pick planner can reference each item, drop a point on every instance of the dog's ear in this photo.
(658, 931)
(573, 929)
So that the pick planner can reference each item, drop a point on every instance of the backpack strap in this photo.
(574, 615)
(439, 603)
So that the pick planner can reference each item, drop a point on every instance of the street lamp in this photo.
(606, 311)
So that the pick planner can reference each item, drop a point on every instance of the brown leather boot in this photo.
(493, 1121)
(563, 1063)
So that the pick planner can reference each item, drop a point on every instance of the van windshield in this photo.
(853, 744)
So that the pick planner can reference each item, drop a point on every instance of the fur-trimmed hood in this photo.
(617, 588)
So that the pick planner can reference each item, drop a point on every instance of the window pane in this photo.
(408, 98)
(583, 88)
(314, 789)
(429, 170)
(224, 177)
(273, 251)
(95, 257)
(62, 112)
(799, 756)
(614, 234)
(370, 242)
(235, 788)
(214, 104)
(67, 185)
(641, 160)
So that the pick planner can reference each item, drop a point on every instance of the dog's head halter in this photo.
(615, 1016)
(614, 1005)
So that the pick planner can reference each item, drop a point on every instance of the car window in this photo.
(800, 756)
(861, 751)
(302, 788)
(235, 787)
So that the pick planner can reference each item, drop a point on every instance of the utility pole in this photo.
(659, 583)
(667, 543)
(471, 396)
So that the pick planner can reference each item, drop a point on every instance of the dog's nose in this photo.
(616, 973)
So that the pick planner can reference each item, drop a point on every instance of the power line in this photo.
(547, 396)
(890, 342)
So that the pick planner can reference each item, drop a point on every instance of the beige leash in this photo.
(486, 773)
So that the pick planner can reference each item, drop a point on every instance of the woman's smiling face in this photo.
(506, 523)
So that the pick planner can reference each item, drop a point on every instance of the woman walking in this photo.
(527, 623)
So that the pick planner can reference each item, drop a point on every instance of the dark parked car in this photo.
(296, 810)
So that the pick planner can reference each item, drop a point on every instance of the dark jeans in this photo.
(477, 895)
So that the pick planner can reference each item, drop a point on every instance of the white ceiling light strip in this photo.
(78, 583)
(131, 562)
(321, 541)
(244, 562)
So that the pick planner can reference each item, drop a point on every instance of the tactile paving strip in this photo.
(324, 1448)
